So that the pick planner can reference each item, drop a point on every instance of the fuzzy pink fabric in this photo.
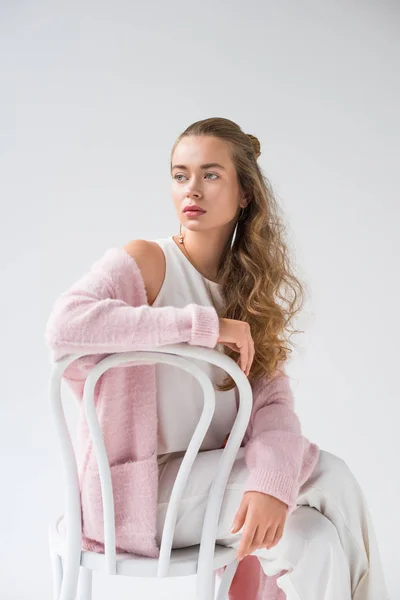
(251, 583)
(107, 311)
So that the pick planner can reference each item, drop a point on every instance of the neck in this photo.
(205, 249)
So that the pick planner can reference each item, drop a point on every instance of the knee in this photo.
(323, 532)
(309, 531)
(337, 469)
(323, 542)
(321, 535)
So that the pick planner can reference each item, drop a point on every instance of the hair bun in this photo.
(255, 143)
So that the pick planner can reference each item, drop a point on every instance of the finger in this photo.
(244, 357)
(279, 533)
(253, 353)
(258, 540)
(244, 363)
(247, 347)
(236, 348)
(232, 346)
(243, 345)
(250, 351)
(269, 537)
(240, 516)
(247, 539)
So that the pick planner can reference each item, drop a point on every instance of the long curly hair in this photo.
(256, 276)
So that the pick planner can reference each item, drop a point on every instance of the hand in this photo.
(264, 519)
(237, 336)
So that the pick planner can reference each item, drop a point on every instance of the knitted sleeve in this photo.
(106, 311)
(278, 456)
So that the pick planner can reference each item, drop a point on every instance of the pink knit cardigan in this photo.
(107, 311)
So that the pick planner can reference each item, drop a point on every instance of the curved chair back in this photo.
(178, 355)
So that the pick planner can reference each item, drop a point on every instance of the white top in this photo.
(179, 395)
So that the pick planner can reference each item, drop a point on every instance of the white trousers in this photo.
(328, 548)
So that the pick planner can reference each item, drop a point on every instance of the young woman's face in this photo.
(195, 181)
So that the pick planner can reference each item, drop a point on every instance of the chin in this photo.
(192, 224)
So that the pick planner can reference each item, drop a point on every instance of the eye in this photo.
(181, 175)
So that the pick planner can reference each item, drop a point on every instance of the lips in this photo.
(193, 209)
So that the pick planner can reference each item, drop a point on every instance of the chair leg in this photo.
(206, 591)
(69, 585)
(85, 584)
(57, 571)
(226, 580)
(65, 572)
(213, 585)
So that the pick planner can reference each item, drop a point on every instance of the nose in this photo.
(193, 191)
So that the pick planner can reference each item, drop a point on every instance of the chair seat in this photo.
(183, 560)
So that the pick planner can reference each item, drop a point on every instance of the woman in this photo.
(226, 280)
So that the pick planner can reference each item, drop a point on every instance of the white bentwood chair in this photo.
(72, 566)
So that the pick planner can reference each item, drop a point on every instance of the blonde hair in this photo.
(256, 277)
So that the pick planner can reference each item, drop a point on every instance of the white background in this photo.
(93, 96)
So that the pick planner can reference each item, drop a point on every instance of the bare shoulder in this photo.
(139, 249)
(150, 259)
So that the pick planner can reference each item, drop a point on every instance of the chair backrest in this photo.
(178, 355)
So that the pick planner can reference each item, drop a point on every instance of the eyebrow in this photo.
(205, 166)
